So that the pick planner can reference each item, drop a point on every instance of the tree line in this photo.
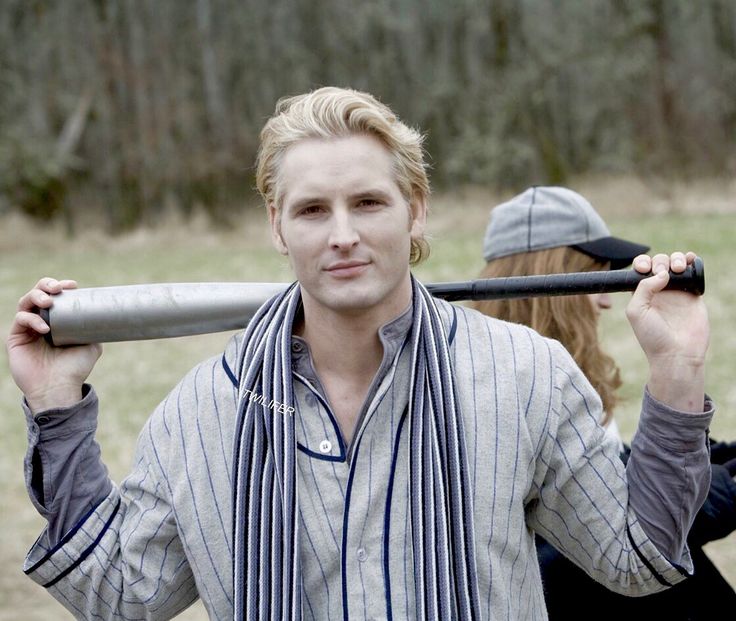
(120, 109)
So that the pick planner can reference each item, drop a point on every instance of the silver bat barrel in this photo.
(153, 311)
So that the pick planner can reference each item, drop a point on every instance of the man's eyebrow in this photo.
(369, 191)
(303, 202)
(292, 206)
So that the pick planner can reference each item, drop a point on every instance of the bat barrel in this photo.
(140, 312)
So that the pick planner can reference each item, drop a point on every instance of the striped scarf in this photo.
(266, 567)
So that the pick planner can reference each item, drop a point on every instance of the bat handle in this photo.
(692, 279)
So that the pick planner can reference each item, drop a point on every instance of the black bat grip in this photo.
(576, 283)
(691, 280)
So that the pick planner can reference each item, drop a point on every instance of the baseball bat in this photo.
(151, 311)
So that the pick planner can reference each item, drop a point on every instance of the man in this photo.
(363, 450)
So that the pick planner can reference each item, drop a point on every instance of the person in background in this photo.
(546, 230)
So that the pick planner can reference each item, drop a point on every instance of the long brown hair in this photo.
(572, 319)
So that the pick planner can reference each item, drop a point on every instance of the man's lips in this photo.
(346, 269)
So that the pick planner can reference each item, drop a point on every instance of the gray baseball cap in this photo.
(544, 217)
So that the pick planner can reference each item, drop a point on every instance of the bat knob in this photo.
(691, 280)
(698, 276)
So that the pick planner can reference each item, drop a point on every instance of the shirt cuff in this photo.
(57, 422)
(675, 430)
(64, 474)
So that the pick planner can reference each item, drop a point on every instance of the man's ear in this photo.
(417, 215)
(274, 219)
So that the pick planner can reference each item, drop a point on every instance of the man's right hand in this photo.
(50, 377)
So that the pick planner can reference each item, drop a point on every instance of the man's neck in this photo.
(345, 345)
(346, 353)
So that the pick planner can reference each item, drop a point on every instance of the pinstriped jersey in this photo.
(535, 455)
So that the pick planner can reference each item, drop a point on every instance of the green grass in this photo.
(132, 378)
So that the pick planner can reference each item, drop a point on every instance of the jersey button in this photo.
(362, 555)
(325, 446)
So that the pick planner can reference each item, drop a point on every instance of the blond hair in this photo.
(332, 112)
(572, 320)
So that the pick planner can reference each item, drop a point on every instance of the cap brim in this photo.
(619, 252)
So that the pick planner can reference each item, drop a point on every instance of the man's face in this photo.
(345, 225)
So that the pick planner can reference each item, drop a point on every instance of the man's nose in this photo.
(343, 234)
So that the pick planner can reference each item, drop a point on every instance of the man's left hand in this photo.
(672, 329)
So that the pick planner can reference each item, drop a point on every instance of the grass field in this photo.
(132, 378)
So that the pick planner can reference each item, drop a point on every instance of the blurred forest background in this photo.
(117, 111)
(132, 125)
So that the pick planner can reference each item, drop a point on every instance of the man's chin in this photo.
(351, 304)
(352, 298)
(348, 300)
